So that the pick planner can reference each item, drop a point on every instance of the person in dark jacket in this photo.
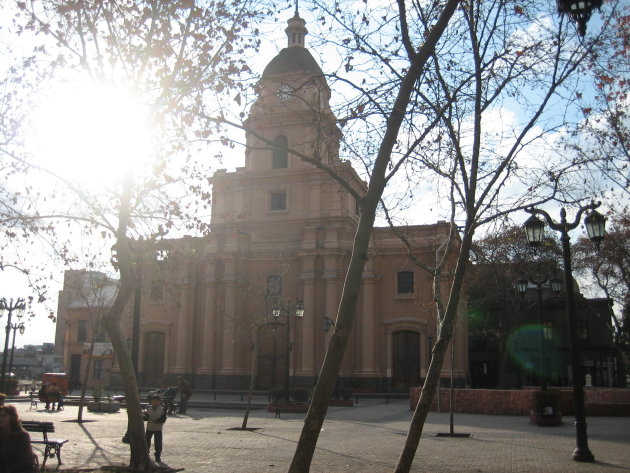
(16, 454)
(54, 396)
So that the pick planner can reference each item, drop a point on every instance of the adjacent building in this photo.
(80, 340)
(525, 345)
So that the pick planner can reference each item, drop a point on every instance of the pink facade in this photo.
(282, 229)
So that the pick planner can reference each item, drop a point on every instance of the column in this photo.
(207, 361)
(367, 324)
(183, 337)
(330, 276)
(309, 322)
(228, 359)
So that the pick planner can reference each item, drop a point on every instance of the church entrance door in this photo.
(153, 359)
(406, 360)
(271, 356)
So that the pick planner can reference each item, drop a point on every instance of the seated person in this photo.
(54, 396)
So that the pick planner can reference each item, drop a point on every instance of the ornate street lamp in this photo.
(556, 285)
(18, 306)
(596, 232)
(579, 11)
(327, 324)
(534, 230)
(15, 328)
(595, 227)
(285, 309)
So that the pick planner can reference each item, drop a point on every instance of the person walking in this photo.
(185, 392)
(16, 453)
(155, 416)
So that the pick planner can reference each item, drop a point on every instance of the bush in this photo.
(97, 392)
(300, 393)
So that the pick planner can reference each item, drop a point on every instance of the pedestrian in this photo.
(185, 392)
(155, 416)
(16, 454)
(54, 396)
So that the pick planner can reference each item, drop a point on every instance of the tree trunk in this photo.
(252, 380)
(140, 459)
(129, 280)
(85, 377)
(452, 391)
(439, 350)
(345, 317)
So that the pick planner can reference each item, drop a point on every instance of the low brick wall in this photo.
(519, 402)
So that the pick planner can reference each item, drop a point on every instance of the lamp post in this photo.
(18, 306)
(15, 327)
(522, 285)
(284, 308)
(579, 11)
(595, 226)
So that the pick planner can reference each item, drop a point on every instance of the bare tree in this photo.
(431, 86)
(609, 269)
(600, 137)
(171, 56)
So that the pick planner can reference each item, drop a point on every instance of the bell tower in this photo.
(290, 129)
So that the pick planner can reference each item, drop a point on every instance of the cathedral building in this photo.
(281, 238)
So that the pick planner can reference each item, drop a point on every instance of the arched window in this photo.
(280, 158)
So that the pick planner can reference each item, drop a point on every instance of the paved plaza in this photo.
(366, 438)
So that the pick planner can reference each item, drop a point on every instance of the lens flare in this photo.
(524, 347)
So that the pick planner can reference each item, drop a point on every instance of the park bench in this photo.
(52, 446)
(33, 397)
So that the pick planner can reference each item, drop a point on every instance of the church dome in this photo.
(293, 59)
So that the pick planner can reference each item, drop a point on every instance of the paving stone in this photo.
(366, 438)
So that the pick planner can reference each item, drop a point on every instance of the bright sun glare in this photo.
(92, 134)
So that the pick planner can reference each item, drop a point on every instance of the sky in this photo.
(77, 101)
